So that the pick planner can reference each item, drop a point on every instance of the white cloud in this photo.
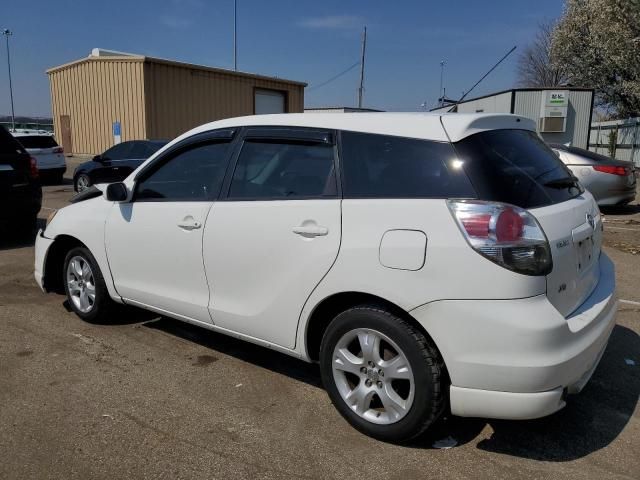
(333, 22)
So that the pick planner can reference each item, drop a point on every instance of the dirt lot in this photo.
(154, 398)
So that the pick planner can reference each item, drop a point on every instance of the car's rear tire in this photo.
(82, 182)
(85, 287)
(382, 374)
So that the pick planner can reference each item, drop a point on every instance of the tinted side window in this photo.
(396, 167)
(139, 150)
(118, 152)
(273, 170)
(517, 167)
(194, 174)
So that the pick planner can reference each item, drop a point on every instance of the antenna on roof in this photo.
(481, 79)
(361, 88)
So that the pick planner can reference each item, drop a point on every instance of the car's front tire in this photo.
(85, 287)
(382, 374)
(82, 182)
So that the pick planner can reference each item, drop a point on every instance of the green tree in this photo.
(597, 43)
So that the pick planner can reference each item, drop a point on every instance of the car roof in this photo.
(428, 126)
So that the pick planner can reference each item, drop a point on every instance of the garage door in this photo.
(269, 101)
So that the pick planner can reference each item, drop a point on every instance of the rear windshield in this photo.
(37, 141)
(517, 167)
(8, 144)
(383, 166)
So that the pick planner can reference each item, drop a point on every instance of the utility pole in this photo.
(364, 47)
(441, 92)
(235, 35)
(6, 32)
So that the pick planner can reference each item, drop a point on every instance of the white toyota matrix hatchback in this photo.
(426, 261)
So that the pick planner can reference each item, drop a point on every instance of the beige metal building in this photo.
(109, 93)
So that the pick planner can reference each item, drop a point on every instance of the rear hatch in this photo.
(44, 149)
(517, 167)
(14, 164)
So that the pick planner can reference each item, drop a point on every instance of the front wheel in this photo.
(82, 182)
(85, 287)
(382, 374)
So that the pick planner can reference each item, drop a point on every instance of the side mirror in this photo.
(97, 158)
(116, 192)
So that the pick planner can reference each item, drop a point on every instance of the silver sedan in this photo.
(611, 182)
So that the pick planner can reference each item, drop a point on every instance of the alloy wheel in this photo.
(80, 284)
(373, 376)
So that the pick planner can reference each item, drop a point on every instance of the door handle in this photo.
(189, 225)
(310, 231)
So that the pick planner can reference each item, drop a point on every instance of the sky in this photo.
(310, 41)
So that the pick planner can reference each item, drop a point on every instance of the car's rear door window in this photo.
(383, 166)
(284, 168)
(517, 167)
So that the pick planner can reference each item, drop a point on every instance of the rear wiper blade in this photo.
(562, 182)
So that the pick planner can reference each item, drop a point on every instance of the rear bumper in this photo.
(53, 170)
(517, 359)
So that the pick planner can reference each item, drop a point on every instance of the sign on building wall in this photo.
(117, 132)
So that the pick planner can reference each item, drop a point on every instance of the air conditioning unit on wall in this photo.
(553, 111)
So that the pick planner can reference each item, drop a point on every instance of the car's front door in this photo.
(154, 242)
(274, 233)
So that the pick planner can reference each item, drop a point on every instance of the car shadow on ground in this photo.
(589, 422)
(621, 209)
(260, 356)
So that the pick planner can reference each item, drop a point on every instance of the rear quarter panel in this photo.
(451, 270)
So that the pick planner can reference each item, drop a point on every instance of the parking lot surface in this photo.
(151, 397)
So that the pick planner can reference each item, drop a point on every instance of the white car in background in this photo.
(425, 261)
(48, 154)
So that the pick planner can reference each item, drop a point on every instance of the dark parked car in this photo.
(20, 191)
(115, 164)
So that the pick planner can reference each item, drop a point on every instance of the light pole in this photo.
(6, 32)
(235, 35)
(442, 64)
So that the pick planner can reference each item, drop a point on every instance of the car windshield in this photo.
(37, 141)
(516, 167)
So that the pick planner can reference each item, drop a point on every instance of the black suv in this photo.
(20, 191)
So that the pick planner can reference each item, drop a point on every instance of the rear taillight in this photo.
(58, 150)
(622, 171)
(505, 234)
(33, 168)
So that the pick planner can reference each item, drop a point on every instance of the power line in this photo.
(335, 77)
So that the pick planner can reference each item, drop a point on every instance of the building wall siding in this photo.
(95, 94)
(528, 104)
(494, 104)
(180, 98)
